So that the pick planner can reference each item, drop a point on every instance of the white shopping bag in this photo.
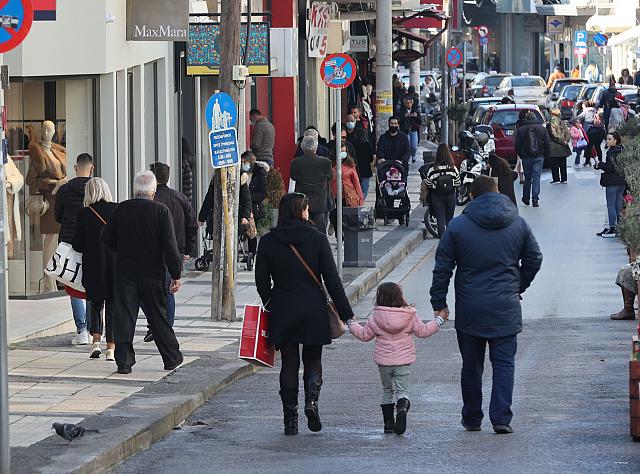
(292, 186)
(66, 266)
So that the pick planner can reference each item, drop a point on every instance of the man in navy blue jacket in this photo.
(497, 258)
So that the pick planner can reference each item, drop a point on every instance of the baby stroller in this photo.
(203, 263)
(392, 198)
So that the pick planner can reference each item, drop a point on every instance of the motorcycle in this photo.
(474, 164)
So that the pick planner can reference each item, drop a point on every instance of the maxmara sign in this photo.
(157, 20)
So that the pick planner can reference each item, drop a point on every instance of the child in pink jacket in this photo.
(393, 324)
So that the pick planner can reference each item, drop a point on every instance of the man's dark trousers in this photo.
(502, 352)
(130, 295)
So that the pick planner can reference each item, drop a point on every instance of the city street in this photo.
(570, 402)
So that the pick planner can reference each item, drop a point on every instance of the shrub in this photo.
(458, 112)
(629, 164)
(631, 128)
(629, 226)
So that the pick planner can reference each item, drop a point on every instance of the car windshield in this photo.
(571, 92)
(493, 81)
(525, 82)
(587, 93)
(509, 118)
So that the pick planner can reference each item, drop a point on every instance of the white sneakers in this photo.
(110, 355)
(95, 350)
(81, 339)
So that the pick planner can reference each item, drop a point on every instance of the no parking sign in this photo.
(16, 17)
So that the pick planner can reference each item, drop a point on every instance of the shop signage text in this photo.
(319, 16)
(157, 20)
(359, 44)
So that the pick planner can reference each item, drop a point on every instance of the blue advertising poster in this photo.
(221, 112)
(223, 145)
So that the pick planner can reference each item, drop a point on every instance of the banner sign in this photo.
(204, 48)
(319, 16)
(157, 20)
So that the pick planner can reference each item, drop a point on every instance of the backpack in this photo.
(533, 143)
(444, 184)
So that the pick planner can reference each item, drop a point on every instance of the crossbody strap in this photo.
(98, 215)
(308, 268)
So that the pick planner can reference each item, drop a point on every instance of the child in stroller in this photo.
(392, 198)
(394, 185)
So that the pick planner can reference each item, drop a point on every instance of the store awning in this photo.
(611, 23)
(559, 10)
(628, 35)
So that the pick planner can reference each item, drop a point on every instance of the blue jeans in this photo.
(364, 184)
(413, 142)
(532, 171)
(79, 313)
(502, 352)
(614, 196)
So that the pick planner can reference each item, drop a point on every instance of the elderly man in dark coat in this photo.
(497, 258)
(140, 232)
(312, 174)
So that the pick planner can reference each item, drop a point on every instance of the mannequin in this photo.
(15, 181)
(47, 172)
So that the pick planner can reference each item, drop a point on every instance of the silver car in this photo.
(526, 89)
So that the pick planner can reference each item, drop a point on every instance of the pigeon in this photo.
(70, 431)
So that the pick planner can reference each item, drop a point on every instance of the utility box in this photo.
(358, 225)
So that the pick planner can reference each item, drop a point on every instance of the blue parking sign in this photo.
(223, 145)
(581, 38)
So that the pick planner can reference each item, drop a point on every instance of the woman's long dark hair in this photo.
(616, 136)
(499, 164)
(291, 207)
(443, 156)
(389, 294)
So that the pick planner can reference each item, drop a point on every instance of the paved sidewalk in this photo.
(50, 380)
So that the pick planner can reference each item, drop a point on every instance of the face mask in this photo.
(246, 167)
(393, 129)
(351, 125)
(343, 154)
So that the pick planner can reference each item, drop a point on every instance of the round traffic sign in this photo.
(483, 31)
(338, 71)
(454, 57)
(16, 17)
(600, 39)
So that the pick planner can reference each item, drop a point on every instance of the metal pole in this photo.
(464, 71)
(384, 67)
(414, 78)
(444, 92)
(339, 179)
(4, 332)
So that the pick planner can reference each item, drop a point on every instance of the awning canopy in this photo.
(611, 23)
(628, 35)
(559, 10)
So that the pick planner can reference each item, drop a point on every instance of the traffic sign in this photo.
(600, 39)
(221, 112)
(484, 40)
(581, 38)
(580, 51)
(338, 71)
(16, 17)
(223, 146)
(454, 57)
(483, 31)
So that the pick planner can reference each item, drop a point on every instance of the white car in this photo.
(526, 89)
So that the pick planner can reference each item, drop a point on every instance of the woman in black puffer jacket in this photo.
(613, 182)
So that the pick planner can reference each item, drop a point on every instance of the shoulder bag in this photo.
(98, 215)
(335, 323)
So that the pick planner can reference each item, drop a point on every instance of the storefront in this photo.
(68, 106)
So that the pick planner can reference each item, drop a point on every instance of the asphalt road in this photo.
(570, 401)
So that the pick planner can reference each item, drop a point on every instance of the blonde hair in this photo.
(96, 190)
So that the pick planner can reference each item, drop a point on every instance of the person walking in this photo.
(256, 175)
(575, 72)
(351, 191)
(357, 136)
(312, 175)
(579, 140)
(69, 201)
(496, 258)
(392, 324)
(143, 258)
(98, 264)
(323, 148)
(184, 225)
(519, 168)
(442, 180)
(596, 133)
(532, 145)
(393, 144)
(605, 102)
(555, 75)
(625, 78)
(298, 307)
(263, 137)
(613, 182)
(410, 122)
(616, 116)
(559, 148)
(499, 168)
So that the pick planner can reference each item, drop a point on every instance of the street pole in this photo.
(384, 67)
(444, 92)
(414, 78)
(464, 72)
(338, 93)
(4, 331)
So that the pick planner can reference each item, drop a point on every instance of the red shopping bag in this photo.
(254, 341)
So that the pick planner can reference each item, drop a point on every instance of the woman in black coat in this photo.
(256, 173)
(613, 182)
(98, 263)
(500, 169)
(298, 308)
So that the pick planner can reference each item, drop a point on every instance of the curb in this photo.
(145, 419)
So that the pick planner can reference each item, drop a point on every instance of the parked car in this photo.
(474, 103)
(478, 114)
(484, 85)
(597, 95)
(630, 98)
(567, 100)
(503, 119)
(556, 90)
(527, 89)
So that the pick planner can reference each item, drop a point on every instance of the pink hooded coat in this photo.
(393, 329)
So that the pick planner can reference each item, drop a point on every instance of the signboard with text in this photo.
(157, 20)
(223, 145)
(317, 37)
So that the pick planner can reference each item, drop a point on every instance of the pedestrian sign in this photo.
(221, 112)
(581, 38)
(16, 17)
(454, 57)
(223, 145)
(338, 71)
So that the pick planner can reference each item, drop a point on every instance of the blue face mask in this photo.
(343, 154)
(246, 167)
